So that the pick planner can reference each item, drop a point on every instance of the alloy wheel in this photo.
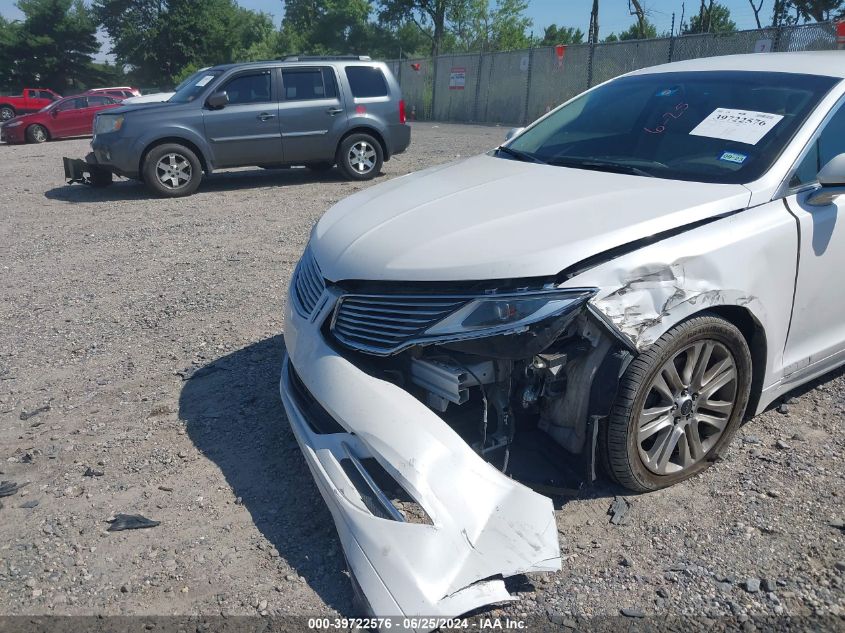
(39, 134)
(687, 407)
(173, 171)
(362, 157)
(6, 114)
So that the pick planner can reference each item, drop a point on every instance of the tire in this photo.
(6, 113)
(320, 166)
(172, 171)
(373, 157)
(37, 134)
(695, 399)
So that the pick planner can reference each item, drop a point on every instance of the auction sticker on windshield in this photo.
(743, 126)
(205, 80)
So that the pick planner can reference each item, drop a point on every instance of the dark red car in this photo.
(71, 116)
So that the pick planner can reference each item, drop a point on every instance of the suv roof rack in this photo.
(327, 58)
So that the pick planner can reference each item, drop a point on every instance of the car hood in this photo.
(493, 218)
(22, 118)
(156, 97)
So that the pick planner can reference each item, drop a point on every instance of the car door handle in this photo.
(266, 116)
(334, 111)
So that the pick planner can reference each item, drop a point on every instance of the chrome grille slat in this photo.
(399, 329)
(308, 285)
(385, 324)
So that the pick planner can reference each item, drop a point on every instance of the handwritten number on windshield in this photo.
(675, 114)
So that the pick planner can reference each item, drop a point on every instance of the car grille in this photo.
(385, 324)
(308, 285)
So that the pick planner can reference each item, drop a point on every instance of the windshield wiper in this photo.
(600, 165)
(523, 156)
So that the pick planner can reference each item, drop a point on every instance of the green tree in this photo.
(561, 35)
(327, 26)
(462, 25)
(711, 18)
(639, 31)
(160, 39)
(8, 37)
(54, 45)
(793, 11)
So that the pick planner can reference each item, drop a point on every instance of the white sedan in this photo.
(623, 282)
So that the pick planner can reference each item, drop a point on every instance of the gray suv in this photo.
(311, 111)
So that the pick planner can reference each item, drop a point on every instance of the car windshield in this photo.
(718, 126)
(191, 79)
(194, 86)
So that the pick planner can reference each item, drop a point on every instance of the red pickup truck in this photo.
(32, 100)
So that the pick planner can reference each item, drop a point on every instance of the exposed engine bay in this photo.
(513, 390)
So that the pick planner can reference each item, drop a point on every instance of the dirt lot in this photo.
(142, 339)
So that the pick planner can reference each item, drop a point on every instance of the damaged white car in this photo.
(621, 283)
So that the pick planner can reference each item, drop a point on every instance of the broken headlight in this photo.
(511, 313)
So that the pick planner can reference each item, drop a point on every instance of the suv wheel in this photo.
(679, 404)
(6, 113)
(172, 171)
(37, 134)
(360, 157)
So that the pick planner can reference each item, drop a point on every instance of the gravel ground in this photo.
(141, 339)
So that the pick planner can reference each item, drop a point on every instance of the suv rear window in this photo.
(366, 81)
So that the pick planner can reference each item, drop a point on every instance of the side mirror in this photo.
(54, 113)
(218, 100)
(832, 181)
(514, 131)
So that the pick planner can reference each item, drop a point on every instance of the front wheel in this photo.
(37, 134)
(172, 171)
(360, 157)
(679, 404)
(7, 113)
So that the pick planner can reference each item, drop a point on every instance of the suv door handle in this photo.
(265, 116)
(334, 111)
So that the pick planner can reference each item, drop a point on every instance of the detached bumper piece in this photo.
(86, 172)
(427, 526)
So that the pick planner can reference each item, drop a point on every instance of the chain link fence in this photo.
(516, 87)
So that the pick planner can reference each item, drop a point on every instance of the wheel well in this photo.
(42, 126)
(172, 139)
(8, 105)
(372, 132)
(755, 336)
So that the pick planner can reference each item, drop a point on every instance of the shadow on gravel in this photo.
(234, 415)
(123, 190)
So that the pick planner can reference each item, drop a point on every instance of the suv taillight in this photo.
(402, 117)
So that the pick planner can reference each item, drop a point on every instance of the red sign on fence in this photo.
(840, 34)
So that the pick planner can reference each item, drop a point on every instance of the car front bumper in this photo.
(116, 153)
(483, 525)
(12, 135)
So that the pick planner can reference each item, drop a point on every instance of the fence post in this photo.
(433, 87)
(776, 43)
(477, 87)
(671, 46)
(590, 65)
(528, 85)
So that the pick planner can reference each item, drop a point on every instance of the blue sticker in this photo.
(733, 157)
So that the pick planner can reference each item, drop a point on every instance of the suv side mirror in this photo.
(514, 131)
(832, 181)
(218, 100)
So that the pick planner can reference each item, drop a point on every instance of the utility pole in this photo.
(594, 24)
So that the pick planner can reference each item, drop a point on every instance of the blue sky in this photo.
(613, 15)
